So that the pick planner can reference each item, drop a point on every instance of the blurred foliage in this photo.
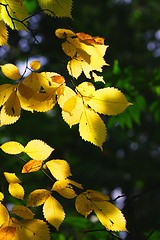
(130, 162)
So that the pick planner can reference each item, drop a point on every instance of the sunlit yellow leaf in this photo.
(108, 101)
(58, 8)
(96, 196)
(11, 177)
(78, 185)
(32, 166)
(23, 212)
(85, 89)
(37, 197)
(7, 233)
(110, 216)
(1, 196)
(64, 188)
(11, 71)
(12, 105)
(16, 190)
(16, 11)
(5, 92)
(92, 128)
(6, 119)
(83, 205)
(97, 78)
(35, 65)
(3, 34)
(12, 147)
(38, 150)
(25, 94)
(59, 169)
(4, 215)
(69, 49)
(65, 95)
(74, 68)
(53, 212)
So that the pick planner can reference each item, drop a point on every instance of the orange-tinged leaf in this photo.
(32, 166)
(83, 205)
(110, 216)
(11, 71)
(110, 101)
(7, 233)
(23, 212)
(37, 149)
(35, 65)
(3, 34)
(12, 147)
(5, 92)
(87, 39)
(60, 169)
(16, 190)
(4, 215)
(64, 188)
(1, 196)
(37, 197)
(92, 128)
(53, 212)
(11, 177)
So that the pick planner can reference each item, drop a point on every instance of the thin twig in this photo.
(154, 229)
(103, 229)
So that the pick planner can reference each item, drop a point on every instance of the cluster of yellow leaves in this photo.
(53, 211)
(86, 53)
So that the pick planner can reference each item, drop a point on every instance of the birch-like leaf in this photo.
(110, 216)
(86, 89)
(16, 11)
(25, 95)
(6, 119)
(64, 188)
(11, 71)
(5, 92)
(32, 166)
(12, 106)
(110, 101)
(4, 215)
(83, 205)
(11, 177)
(37, 197)
(3, 34)
(7, 233)
(58, 8)
(12, 147)
(53, 212)
(23, 212)
(35, 65)
(60, 169)
(96, 196)
(1, 196)
(92, 128)
(16, 190)
(37, 149)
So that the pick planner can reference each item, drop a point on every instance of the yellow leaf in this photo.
(65, 95)
(64, 188)
(12, 147)
(1, 196)
(5, 92)
(11, 71)
(108, 101)
(31, 229)
(25, 94)
(74, 68)
(59, 169)
(4, 215)
(37, 197)
(38, 150)
(23, 212)
(58, 8)
(86, 89)
(78, 185)
(97, 78)
(16, 11)
(110, 216)
(7, 233)
(12, 106)
(53, 212)
(11, 178)
(6, 119)
(32, 166)
(96, 196)
(69, 49)
(83, 205)
(35, 65)
(64, 33)
(92, 128)
(16, 190)
(3, 34)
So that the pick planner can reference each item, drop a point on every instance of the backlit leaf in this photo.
(25, 94)
(11, 71)
(37, 197)
(32, 166)
(96, 196)
(92, 128)
(12, 147)
(4, 215)
(59, 169)
(23, 212)
(12, 106)
(53, 212)
(16, 190)
(3, 34)
(83, 205)
(35, 65)
(5, 92)
(11, 178)
(64, 188)
(37, 149)
(1, 196)
(7, 233)
(86, 89)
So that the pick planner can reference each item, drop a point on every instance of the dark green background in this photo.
(130, 161)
